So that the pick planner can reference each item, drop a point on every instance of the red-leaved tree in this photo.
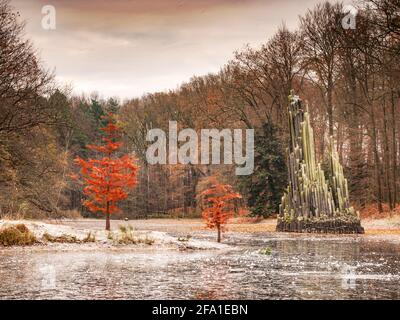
(108, 179)
(218, 200)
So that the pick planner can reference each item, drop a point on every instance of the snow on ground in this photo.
(389, 223)
(102, 237)
(172, 233)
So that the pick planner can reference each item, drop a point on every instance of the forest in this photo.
(349, 77)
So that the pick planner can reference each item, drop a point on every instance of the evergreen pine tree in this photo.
(264, 188)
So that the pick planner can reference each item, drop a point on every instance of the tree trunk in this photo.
(356, 161)
(108, 226)
(330, 110)
(376, 160)
(147, 190)
(340, 141)
(394, 150)
(219, 233)
(386, 156)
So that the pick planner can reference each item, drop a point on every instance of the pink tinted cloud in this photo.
(126, 47)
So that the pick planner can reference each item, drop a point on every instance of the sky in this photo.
(126, 48)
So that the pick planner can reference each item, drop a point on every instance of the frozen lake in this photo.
(299, 267)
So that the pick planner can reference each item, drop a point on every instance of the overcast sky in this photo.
(125, 48)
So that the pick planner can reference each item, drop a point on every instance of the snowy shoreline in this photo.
(177, 234)
(146, 240)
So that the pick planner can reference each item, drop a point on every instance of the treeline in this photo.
(350, 78)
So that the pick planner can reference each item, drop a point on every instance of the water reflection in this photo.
(322, 268)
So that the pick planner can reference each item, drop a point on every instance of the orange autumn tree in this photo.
(219, 205)
(108, 179)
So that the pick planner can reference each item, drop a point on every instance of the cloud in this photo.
(126, 48)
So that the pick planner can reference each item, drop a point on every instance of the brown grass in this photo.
(13, 216)
(249, 220)
(247, 225)
(382, 231)
(17, 235)
(40, 215)
(60, 239)
(65, 238)
(126, 236)
(263, 226)
(371, 212)
(71, 214)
